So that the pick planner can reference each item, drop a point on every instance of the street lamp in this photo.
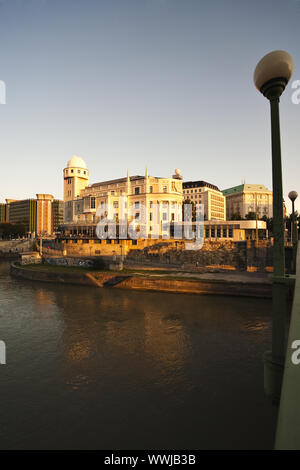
(293, 196)
(271, 76)
(294, 232)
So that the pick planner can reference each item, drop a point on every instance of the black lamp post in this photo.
(293, 196)
(271, 76)
(294, 232)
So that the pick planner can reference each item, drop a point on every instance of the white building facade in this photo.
(245, 198)
(201, 192)
(145, 201)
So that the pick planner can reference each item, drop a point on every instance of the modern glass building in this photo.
(57, 214)
(23, 212)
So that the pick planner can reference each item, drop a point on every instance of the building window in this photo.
(72, 171)
(151, 189)
(78, 171)
(150, 216)
(137, 214)
(151, 204)
(164, 216)
(137, 204)
(116, 205)
(93, 202)
(136, 190)
(165, 189)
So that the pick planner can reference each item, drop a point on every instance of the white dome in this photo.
(76, 162)
(177, 175)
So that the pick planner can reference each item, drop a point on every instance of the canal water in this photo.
(116, 369)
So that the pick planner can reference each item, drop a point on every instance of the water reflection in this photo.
(103, 368)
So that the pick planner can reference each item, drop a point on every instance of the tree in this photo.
(288, 221)
(236, 216)
(269, 222)
(187, 202)
(9, 230)
(250, 216)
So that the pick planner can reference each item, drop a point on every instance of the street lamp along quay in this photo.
(294, 231)
(271, 76)
(293, 196)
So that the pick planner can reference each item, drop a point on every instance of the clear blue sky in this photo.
(133, 83)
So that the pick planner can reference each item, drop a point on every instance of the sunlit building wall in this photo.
(151, 201)
(209, 195)
(247, 198)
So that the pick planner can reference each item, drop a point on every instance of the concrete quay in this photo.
(220, 283)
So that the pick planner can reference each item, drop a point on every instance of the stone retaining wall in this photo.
(15, 246)
(240, 256)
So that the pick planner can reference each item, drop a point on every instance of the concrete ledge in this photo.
(125, 281)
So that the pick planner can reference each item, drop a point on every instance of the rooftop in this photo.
(245, 187)
(199, 184)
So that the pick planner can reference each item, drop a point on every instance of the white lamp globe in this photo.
(276, 64)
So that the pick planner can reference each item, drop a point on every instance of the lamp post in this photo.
(271, 76)
(293, 196)
(294, 232)
(256, 224)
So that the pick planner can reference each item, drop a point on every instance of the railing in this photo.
(288, 426)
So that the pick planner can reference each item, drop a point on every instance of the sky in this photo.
(130, 84)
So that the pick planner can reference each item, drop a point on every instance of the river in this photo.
(104, 368)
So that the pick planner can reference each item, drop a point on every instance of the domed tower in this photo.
(177, 175)
(76, 178)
